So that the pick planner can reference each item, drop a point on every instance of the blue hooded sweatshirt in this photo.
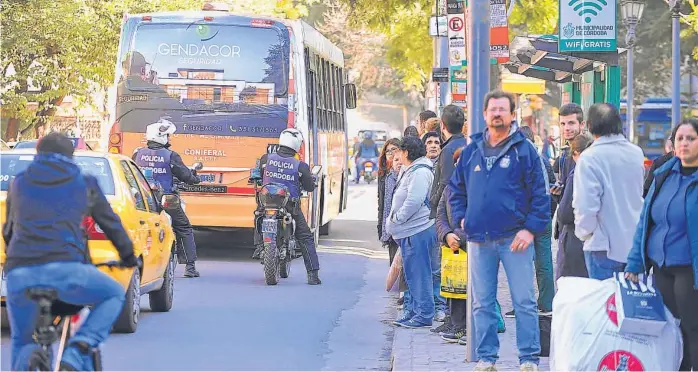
(499, 202)
(46, 205)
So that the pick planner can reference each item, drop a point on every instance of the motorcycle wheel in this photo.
(285, 269)
(271, 264)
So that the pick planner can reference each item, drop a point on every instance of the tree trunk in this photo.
(12, 129)
(43, 116)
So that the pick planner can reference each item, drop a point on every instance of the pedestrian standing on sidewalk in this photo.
(388, 169)
(409, 224)
(424, 117)
(411, 131)
(666, 239)
(571, 124)
(657, 163)
(499, 197)
(607, 198)
(543, 245)
(572, 247)
(432, 141)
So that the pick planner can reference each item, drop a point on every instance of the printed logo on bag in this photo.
(620, 360)
(611, 309)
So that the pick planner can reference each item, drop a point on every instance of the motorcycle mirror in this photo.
(316, 169)
(198, 166)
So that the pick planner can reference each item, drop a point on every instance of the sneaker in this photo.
(545, 313)
(413, 324)
(483, 366)
(529, 367)
(401, 321)
(400, 301)
(440, 316)
(453, 337)
(463, 340)
(451, 328)
(510, 314)
(442, 327)
(190, 271)
(313, 278)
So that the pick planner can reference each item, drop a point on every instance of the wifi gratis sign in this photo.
(588, 26)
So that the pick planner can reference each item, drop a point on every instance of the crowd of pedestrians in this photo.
(502, 198)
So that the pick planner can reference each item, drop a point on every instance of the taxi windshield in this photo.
(12, 164)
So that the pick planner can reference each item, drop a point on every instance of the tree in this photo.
(74, 52)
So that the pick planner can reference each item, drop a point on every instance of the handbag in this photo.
(640, 306)
(454, 273)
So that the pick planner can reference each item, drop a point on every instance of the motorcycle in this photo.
(52, 312)
(369, 171)
(169, 201)
(278, 247)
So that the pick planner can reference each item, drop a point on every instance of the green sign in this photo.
(588, 26)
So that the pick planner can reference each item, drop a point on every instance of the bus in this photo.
(230, 84)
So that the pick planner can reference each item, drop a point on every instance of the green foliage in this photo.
(55, 48)
(534, 16)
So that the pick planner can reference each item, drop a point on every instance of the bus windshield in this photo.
(207, 78)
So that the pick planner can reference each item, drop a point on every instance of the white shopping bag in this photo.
(640, 306)
(585, 333)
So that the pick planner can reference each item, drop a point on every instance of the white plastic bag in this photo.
(585, 334)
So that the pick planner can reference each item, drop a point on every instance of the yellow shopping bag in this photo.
(454, 273)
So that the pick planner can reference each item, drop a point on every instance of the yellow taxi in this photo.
(149, 227)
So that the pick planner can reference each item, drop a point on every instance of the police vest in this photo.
(156, 162)
(368, 151)
(283, 171)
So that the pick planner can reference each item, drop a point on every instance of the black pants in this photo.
(459, 309)
(186, 246)
(392, 250)
(306, 240)
(676, 286)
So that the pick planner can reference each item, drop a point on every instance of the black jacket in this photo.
(656, 164)
(571, 262)
(381, 204)
(444, 170)
(306, 178)
(45, 208)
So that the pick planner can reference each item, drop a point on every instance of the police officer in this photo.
(368, 150)
(283, 167)
(165, 165)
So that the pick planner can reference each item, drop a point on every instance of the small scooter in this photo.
(369, 171)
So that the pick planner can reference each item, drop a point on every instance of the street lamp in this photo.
(675, 62)
(631, 11)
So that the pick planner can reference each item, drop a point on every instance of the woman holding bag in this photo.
(666, 239)
(388, 169)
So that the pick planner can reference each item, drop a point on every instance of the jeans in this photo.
(675, 283)
(439, 300)
(483, 260)
(600, 267)
(544, 269)
(416, 261)
(76, 283)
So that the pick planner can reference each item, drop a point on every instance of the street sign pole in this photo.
(478, 32)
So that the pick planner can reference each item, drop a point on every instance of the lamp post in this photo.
(632, 12)
(675, 62)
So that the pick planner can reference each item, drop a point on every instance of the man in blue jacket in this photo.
(46, 247)
(498, 196)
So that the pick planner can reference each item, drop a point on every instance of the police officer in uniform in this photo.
(165, 165)
(283, 167)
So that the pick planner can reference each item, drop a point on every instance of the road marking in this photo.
(343, 240)
(364, 252)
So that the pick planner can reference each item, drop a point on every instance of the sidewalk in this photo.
(422, 350)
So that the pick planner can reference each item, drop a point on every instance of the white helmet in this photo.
(292, 138)
(159, 132)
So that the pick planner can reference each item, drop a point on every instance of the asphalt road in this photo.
(228, 319)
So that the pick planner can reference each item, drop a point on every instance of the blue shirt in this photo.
(668, 243)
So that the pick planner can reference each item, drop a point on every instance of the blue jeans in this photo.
(439, 300)
(416, 261)
(483, 259)
(76, 283)
(600, 267)
(544, 269)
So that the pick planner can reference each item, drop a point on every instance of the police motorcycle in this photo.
(277, 225)
(169, 201)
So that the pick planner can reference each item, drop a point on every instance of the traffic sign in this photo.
(456, 24)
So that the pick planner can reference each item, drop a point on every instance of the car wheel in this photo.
(161, 300)
(128, 319)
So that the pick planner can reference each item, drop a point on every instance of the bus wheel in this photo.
(325, 229)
